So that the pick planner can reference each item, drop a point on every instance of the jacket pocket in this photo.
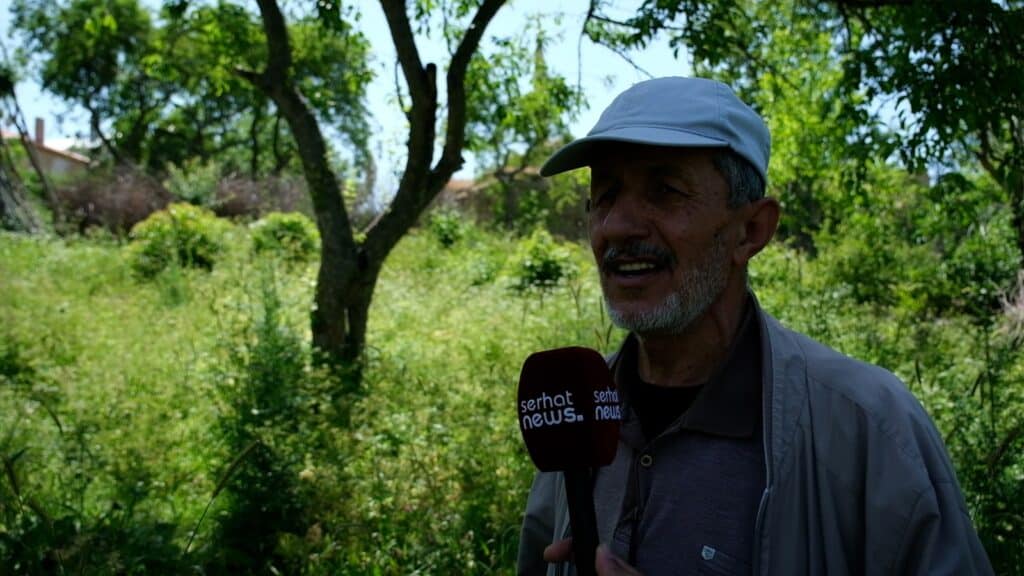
(714, 562)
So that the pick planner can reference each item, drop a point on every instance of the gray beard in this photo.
(674, 315)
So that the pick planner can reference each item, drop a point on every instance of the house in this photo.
(56, 160)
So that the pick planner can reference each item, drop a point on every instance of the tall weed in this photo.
(160, 410)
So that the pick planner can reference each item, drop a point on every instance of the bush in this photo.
(263, 404)
(541, 262)
(447, 227)
(116, 200)
(982, 267)
(194, 182)
(947, 249)
(392, 481)
(182, 235)
(292, 237)
(232, 195)
(853, 264)
(241, 197)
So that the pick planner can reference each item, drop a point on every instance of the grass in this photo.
(132, 374)
(118, 399)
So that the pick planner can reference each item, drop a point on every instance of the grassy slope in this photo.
(127, 369)
(432, 475)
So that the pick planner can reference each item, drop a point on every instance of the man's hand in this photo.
(607, 564)
(559, 552)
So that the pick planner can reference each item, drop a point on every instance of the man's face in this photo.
(658, 218)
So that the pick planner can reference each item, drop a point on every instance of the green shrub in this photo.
(982, 267)
(194, 182)
(447, 227)
(529, 201)
(290, 236)
(946, 249)
(484, 269)
(263, 402)
(393, 481)
(853, 263)
(541, 262)
(182, 235)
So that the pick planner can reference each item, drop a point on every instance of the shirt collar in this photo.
(729, 404)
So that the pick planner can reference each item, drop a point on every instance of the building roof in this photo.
(65, 153)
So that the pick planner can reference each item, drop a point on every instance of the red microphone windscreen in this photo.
(568, 409)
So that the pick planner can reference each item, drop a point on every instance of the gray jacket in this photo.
(858, 480)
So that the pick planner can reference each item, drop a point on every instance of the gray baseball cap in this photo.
(678, 112)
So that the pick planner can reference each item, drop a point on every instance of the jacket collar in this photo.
(729, 403)
(784, 388)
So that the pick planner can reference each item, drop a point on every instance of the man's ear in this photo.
(758, 221)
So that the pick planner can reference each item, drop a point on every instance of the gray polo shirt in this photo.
(686, 501)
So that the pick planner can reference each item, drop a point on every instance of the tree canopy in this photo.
(950, 72)
(164, 87)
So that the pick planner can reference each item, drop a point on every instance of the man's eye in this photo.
(668, 189)
(601, 199)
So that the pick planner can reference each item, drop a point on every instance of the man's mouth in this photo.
(635, 260)
(633, 268)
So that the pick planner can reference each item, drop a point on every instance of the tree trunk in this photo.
(18, 119)
(340, 261)
(509, 201)
(1010, 176)
(1016, 191)
(334, 315)
(349, 270)
(280, 158)
(15, 212)
(340, 316)
(254, 140)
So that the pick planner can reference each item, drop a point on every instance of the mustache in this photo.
(637, 249)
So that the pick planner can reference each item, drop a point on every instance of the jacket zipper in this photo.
(766, 443)
(637, 512)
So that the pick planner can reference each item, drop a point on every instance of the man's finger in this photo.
(609, 564)
(560, 551)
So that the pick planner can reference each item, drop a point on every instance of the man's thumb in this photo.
(609, 564)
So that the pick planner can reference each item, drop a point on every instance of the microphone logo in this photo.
(548, 410)
(606, 405)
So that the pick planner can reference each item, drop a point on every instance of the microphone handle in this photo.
(579, 489)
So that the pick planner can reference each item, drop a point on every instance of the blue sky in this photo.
(602, 73)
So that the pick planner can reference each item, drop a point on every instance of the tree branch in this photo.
(408, 55)
(602, 18)
(987, 157)
(455, 137)
(420, 183)
(625, 57)
(94, 125)
(406, 111)
(279, 52)
(1004, 446)
(579, 45)
(872, 3)
(275, 82)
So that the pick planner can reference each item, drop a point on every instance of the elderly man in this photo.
(745, 448)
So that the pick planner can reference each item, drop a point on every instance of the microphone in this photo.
(569, 415)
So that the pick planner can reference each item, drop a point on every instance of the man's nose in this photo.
(625, 217)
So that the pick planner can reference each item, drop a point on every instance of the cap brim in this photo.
(576, 154)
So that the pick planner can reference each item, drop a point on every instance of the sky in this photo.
(602, 74)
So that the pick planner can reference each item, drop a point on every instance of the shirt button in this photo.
(646, 460)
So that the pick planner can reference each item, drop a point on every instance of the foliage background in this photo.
(130, 406)
(167, 418)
